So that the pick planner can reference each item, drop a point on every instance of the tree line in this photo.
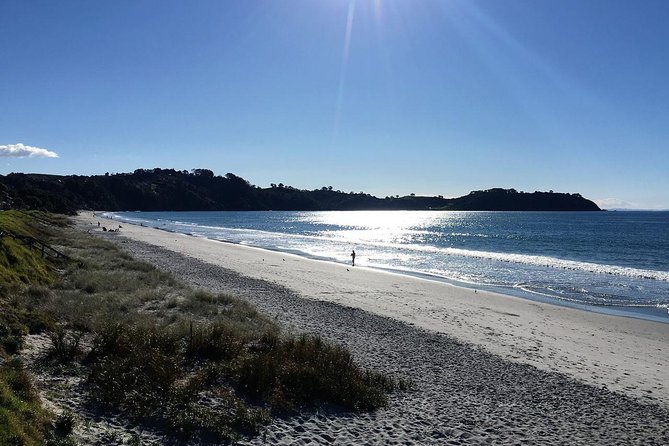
(202, 190)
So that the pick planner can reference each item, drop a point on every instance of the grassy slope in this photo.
(22, 420)
(18, 263)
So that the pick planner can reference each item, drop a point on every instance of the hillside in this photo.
(201, 190)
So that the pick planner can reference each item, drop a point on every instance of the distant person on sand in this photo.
(353, 258)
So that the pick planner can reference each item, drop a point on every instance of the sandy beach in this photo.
(489, 368)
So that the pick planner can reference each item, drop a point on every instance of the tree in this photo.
(203, 173)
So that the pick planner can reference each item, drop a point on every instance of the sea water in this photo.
(614, 262)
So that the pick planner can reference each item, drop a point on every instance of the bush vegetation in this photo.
(201, 364)
(200, 190)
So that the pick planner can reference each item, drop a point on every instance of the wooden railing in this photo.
(34, 243)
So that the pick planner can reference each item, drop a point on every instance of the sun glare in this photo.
(344, 64)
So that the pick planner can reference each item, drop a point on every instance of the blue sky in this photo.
(383, 96)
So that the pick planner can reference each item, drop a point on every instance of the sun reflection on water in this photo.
(379, 227)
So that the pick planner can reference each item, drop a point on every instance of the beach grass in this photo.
(152, 348)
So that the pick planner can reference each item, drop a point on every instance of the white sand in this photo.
(626, 355)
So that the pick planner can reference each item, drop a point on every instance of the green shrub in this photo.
(136, 368)
(64, 424)
(12, 330)
(64, 345)
(295, 371)
(142, 369)
(216, 341)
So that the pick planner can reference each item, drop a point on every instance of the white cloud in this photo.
(616, 203)
(606, 203)
(22, 151)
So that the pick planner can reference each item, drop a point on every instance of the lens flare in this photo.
(344, 64)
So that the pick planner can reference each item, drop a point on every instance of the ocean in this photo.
(612, 262)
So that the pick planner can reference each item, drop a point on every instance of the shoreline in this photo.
(645, 314)
(654, 313)
(626, 355)
(613, 310)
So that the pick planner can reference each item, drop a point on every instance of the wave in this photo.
(256, 237)
(552, 262)
(586, 297)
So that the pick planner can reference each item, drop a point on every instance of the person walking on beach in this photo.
(353, 258)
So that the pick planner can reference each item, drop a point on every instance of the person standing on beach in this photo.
(353, 258)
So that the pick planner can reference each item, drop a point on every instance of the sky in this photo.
(432, 97)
